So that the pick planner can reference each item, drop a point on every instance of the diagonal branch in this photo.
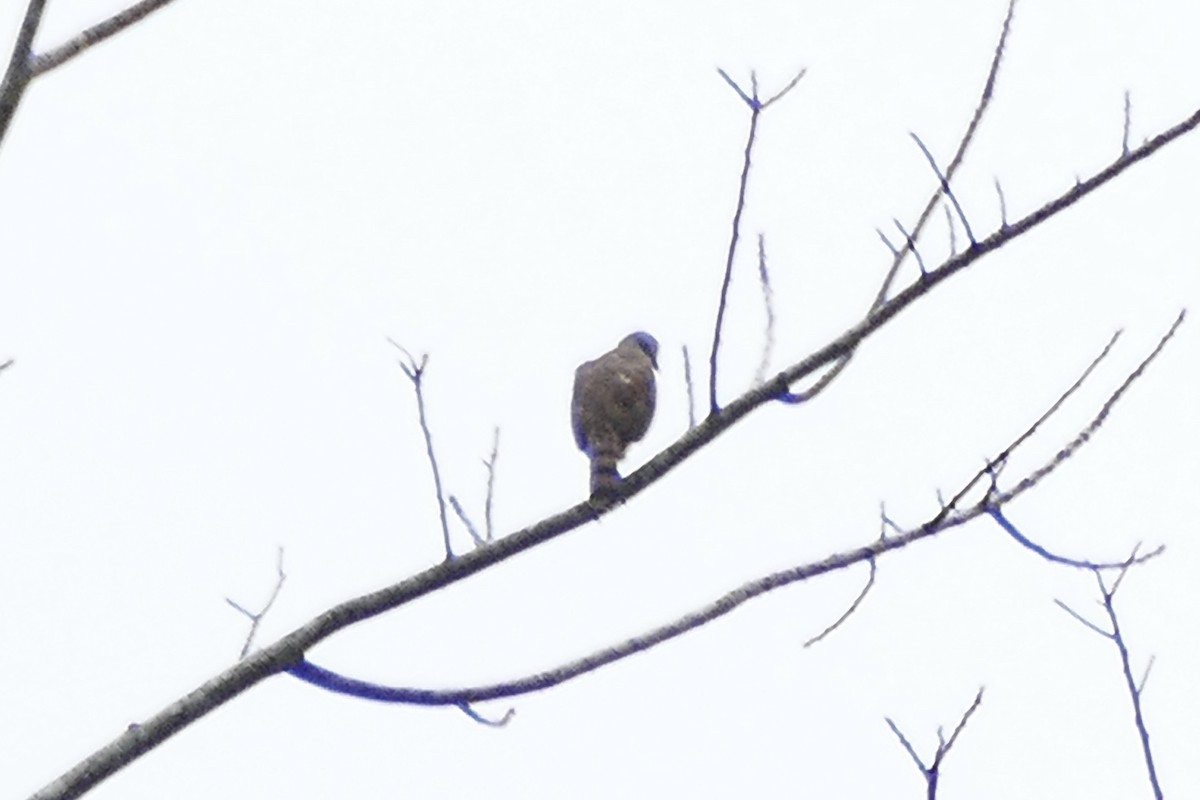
(289, 651)
(44, 62)
(18, 73)
(899, 254)
(946, 518)
(24, 65)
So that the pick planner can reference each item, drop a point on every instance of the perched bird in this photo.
(613, 404)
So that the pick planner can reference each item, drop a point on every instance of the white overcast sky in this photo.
(209, 225)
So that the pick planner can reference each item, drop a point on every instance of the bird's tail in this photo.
(606, 481)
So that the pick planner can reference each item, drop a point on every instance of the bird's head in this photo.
(644, 342)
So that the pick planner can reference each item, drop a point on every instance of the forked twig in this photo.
(256, 618)
(415, 373)
(1107, 593)
(932, 772)
(756, 108)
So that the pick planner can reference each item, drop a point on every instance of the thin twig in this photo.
(932, 772)
(1135, 694)
(1094, 628)
(1003, 204)
(887, 242)
(862, 595)
(889, 279)
(490, 463)
(415, 373)
(756, 108)
(735, 233)
(962, 723)
(945, 181)
(1090, 430)
(764, 282)
(950, 229)
(466, 521)
(1145, 676)
(991, 465)
(1125, 127)
(256, 618)
(482, 720)
(912, 247)
(964, 143)
(1134, 689)
(691, 392)
(790, 85)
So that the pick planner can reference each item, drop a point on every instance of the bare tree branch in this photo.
(946, 518)
(885, 288)
(1133, 689)
(1086, 434)
(288, 652)
(1015, 533)
(44, 62)
(18, 74)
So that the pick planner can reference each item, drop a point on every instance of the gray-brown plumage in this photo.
(613, 404)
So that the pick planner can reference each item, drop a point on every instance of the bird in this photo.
(612, 406)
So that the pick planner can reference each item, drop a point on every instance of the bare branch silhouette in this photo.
(948, 516)
(18, 75)
(415, 373)
(44, 62)
(466, 521)
(862, 595)
(24, 65)
(490, 463)
(946, 190)
(764, 282)
(1107, 595)
(885, 288)
(1125, 127)
(691, 391)
(932, 772)
(257, 617)
(756, 108)
(1087, 433)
